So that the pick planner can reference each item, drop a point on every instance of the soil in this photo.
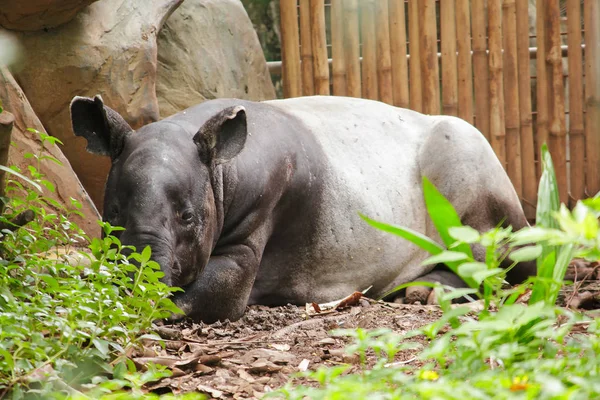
(265, 348)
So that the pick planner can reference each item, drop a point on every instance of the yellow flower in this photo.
(519, 383)
(429, 375)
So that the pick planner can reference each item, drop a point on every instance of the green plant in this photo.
(65, 327)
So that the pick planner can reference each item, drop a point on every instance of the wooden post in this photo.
(290, 48)
(319, 44)
(511, 95)
(465, 67)
(429, 59)
(541, 121)
(527, 143)
(576, 125)
(414, 48)
(497, 133)
(369, 53)
(480, 68)
(308, 80)
(338, 67)
(449, 67)
(6, 125)
(398, 53)
(557, 130)
(592, 94)
(384, 62)
(352, 48)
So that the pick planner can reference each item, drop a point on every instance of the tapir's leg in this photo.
(222, 290)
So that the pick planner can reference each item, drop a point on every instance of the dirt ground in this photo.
(261, 351)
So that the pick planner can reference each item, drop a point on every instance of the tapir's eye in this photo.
(187, 216)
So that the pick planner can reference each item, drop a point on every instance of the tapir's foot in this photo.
(426, 294)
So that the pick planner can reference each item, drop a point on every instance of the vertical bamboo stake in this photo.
(319, 44)
(527, 143)
(337, 48)
(465, 68)
(592, 94)
(497, 134)
(352, 48)
(306, 52)
(384, 62)
(576, 124)
(480, 68)
(541, 122)
(429, 59)
(290, 48)
(369, 54)
(557, 130)
(414, 48)
(449, 68)
(511, 95)
(398, 52)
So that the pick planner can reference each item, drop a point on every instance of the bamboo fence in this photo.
(521, 81)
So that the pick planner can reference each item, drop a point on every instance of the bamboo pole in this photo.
(352, 48)
(384, 61)
(369, 53)
(480, 68)
(557, 129)
(398, 53)
(290, 48)
(338, 66)
(306, 52)
(592, 94)
(511, 95)
(449, 66)
(497, 130)
(576, 124)
(541, 84)
(319, 44)
(414, 48)
(465, 67)
(429, 60)
(527, 143)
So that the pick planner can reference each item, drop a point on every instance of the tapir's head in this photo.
(161, 186)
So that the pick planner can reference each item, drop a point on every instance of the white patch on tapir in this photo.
(378, 155)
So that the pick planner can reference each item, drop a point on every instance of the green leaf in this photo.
(101, 345)
(445, 257)
(464, 234)
(23, 177)
(443, 215)
(415, 237)
(528, 253)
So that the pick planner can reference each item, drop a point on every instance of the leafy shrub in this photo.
(66, 326)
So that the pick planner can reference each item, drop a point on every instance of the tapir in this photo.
(248, 202)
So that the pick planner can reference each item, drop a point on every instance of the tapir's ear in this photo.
(102, 127)
(223, 136)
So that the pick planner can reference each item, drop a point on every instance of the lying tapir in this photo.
(258, 202)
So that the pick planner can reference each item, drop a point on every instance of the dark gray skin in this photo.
(235, 215)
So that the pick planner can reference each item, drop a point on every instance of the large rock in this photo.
(61, 176)
(33, 15)
(208, 49)
(108, 49)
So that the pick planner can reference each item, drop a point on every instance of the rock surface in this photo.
(108, 49)
(64, 179)
(208, 49)
(33, 15)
